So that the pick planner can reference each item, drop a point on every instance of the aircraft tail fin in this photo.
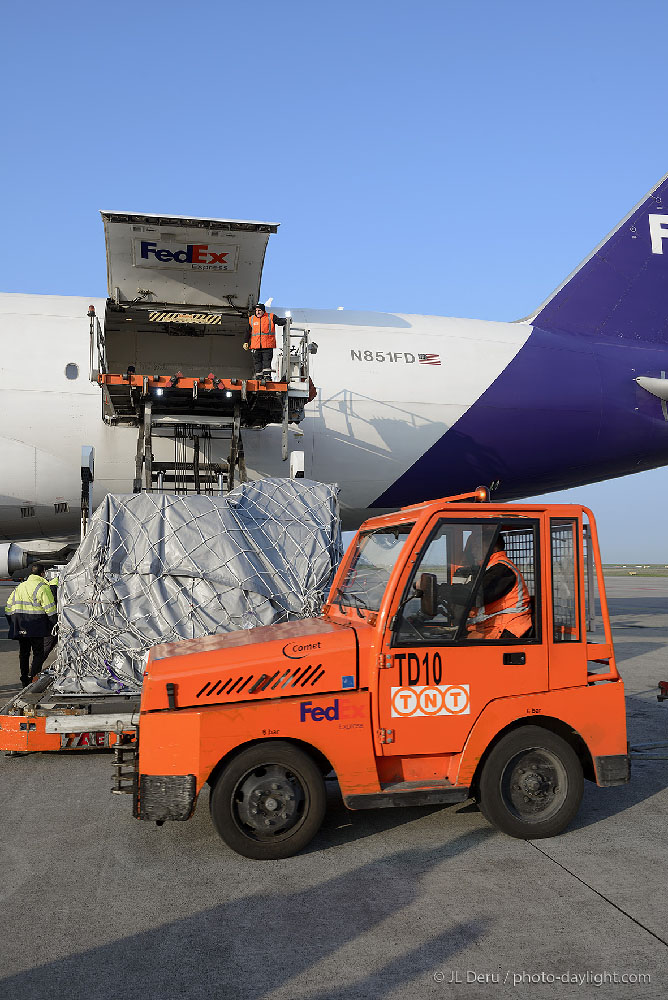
(620, 289)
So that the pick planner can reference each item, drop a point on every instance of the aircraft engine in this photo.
(12, 558)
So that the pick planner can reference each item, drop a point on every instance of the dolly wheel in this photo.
(531, 784)
(269, 802)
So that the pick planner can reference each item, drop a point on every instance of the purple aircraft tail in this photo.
(620, 290)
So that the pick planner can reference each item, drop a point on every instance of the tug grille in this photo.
(291, 678)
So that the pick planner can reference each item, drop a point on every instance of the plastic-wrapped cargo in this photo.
(158, 567)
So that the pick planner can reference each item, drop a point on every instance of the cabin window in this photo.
(71, 371)
(479, 597)
(374, 558)
(563, 543)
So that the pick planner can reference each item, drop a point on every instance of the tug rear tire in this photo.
(531, 784)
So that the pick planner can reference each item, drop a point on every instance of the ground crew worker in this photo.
(262, 340)
(31, 612)
(506, 608)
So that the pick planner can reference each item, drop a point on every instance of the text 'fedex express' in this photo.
(197, 256)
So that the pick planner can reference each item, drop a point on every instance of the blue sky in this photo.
(440, 157)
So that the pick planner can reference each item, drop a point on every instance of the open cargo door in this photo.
(180, 292)
(176, 261)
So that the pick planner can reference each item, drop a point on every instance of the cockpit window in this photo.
(369, 571)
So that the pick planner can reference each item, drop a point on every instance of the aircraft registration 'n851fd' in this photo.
(407, 407)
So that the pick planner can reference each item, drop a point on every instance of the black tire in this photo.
(269, 802)
(531, 784)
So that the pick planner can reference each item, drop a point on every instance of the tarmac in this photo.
(419, 903)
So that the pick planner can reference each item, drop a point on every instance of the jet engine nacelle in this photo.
(12, 558)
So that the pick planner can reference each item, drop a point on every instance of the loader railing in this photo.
(294, 357)
(97, 347)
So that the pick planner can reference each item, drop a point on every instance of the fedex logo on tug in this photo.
(338, 711)
(200, 256)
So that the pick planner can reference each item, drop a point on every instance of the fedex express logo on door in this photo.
(442, 699)
(196, 256)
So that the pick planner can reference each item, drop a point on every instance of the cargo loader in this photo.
(169, 354)
(401, 687)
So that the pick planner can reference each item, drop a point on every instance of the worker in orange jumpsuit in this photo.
(262, 340)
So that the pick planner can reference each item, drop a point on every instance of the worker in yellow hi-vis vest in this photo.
(31, 612)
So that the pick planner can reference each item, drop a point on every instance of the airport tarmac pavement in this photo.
(421, 902)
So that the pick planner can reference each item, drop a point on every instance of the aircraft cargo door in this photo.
(180, 293)
(184, 262)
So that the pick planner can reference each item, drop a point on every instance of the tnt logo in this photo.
(444, 699)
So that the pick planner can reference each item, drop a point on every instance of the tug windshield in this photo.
(374, 559)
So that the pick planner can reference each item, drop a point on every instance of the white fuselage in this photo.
(378, 408)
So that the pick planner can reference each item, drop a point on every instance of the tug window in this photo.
(370, 568)
(485, 580)
(563, 543)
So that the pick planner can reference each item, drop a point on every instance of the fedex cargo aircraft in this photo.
(407, 408)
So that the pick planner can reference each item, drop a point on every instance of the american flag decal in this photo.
(429, 359)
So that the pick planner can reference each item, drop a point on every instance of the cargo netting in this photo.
(157, 567)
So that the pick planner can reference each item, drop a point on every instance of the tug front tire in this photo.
(269, 802)
(531, 784)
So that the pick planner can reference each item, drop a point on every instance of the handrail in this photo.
(602, 596)
(284, 372)
(101, 349)
(295, 346)
(91, 331)
(96, 341)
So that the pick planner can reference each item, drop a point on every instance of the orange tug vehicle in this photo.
(415, 686)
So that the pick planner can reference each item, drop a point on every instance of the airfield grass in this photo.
(629, 569)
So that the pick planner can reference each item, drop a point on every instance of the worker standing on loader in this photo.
(31, 612)
(263, 340)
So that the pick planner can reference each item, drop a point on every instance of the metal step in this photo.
(410, 793)
(125, 765)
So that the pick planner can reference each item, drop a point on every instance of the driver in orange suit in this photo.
(506, 607)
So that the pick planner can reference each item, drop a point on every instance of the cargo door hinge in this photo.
(386, 735)
(385, 661)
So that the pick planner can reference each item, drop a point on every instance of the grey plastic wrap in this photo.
(158, 567)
